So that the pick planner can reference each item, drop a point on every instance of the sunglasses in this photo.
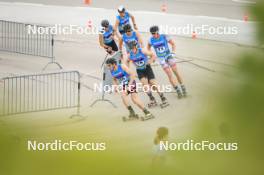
(154, 33)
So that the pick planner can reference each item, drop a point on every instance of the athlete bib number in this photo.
(140, 64)
(123, 80)
(161, 49)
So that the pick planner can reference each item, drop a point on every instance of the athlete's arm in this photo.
(116, 25)
(115, 37)
(129, 61)
(120, 44)
(115, 83)
(130, 72)
(101, 41)
(140, 40)
(150, 54)
(173, 45)
(133, 21)
(149, 47)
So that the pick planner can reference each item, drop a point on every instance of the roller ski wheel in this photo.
(164, 102)
(164, 105)
(130, 118)
(184, 94)
(152, 104)
(179, 95)
(147, 117)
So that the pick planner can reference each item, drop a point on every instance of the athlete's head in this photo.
(105, 23)
(111, 63)
(127, 28)
(161, 135)
(133, 46)
(154, 30)
(121, 10)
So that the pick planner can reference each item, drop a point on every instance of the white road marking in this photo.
(244, 1)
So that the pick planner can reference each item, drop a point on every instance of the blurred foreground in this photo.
(235, 115)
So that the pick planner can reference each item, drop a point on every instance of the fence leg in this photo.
(102, 99)
(78, 113)
(53, 60)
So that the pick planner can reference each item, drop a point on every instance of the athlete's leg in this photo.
(172, 63)
(173, 80)
(125, 99)
(147, 88)
(154, 86)
(176, 73)
(151, 79)
(166, 67)
(142, 75)
(136, 100)
(170, 76)
(124, 96)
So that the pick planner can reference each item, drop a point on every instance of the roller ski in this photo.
(131, 117)
(147, 116)
(179, 93)
(153, 103)
(164, 103)
(184, 92)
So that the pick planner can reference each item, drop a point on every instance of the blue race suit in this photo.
(127, 39)
(139, 59)
(161, 47)
(107, 35)
(121, 75)
(123, 21)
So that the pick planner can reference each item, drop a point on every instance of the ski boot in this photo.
(184, 92)
(131, 117)
(179, 93)
(164, 102)
(153, 103)
(147, 116)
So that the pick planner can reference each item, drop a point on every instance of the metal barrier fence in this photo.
(40, 92)
(15, 37)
